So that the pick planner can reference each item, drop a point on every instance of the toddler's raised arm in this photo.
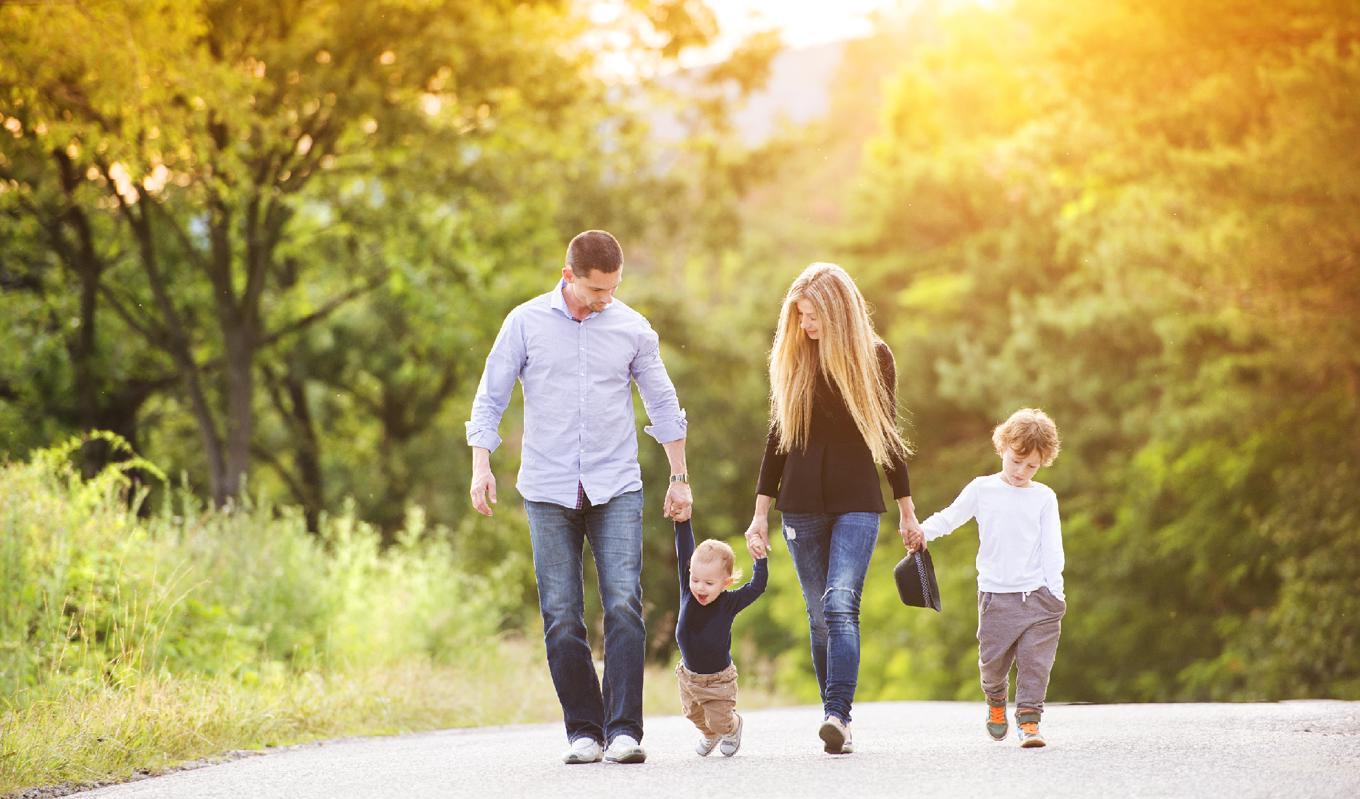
(684, 549)
(748, 593)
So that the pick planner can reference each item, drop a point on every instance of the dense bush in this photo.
(94, 591)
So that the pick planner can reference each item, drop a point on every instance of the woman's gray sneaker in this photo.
(834, 735)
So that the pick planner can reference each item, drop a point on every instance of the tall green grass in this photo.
(131, 641)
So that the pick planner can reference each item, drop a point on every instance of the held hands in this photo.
(913, 536)
(758, 537)
(679, 501)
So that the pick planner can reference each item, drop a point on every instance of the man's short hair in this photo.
(594, 251)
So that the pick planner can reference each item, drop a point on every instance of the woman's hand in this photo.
(758, 536)
(913, 535)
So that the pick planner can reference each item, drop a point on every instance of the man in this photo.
(577, 350)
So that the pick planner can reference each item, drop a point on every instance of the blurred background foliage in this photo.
(274, 241)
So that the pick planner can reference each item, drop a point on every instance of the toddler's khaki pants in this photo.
(709, 700)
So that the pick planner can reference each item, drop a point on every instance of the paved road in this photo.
(1295, 749)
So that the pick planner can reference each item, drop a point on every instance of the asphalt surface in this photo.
(1295, 749)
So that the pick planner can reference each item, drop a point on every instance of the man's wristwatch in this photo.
(683, 477)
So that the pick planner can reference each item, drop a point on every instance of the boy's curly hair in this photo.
(1028, 430)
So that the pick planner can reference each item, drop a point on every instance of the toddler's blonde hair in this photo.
(712, 549)
(1028, 430)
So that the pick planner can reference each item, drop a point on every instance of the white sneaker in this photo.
(731, 743)
(705, 746)
(625, 749)
(849, 745)
(583, 750)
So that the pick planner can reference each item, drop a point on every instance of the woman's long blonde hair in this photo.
(846, 353)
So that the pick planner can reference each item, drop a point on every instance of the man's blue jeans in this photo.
(831, 553)
(614, 531)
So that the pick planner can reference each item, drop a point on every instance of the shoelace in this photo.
(1030, 727)
(997, 715)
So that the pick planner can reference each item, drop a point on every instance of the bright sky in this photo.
(802, 22)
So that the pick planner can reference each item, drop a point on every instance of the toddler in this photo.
(708, 677)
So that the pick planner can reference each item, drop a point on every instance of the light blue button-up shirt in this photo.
(578, 402)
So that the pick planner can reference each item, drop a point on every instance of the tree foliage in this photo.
(1139, 216)
(284, 234)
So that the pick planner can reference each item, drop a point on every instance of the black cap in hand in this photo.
(915, 576)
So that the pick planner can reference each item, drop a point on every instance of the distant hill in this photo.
(797, 92)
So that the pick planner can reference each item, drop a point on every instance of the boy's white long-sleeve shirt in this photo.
(1020, 536)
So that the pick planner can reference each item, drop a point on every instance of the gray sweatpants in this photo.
(1020, 629)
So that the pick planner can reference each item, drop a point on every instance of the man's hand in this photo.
(483, 481)
(679, 501)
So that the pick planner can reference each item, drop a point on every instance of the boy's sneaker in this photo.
(705, 746)
(997, 727)
(731, 743)
(1028, 731)
(834, 734)
(583, 750)
(625, 749)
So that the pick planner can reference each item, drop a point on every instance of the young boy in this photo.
(1019, 565)
(708, 677)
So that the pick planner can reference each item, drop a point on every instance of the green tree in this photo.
(211, 133)
(1134, 216)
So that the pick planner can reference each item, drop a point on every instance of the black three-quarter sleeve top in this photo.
(834, 472)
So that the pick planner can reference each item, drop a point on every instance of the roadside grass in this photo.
(133, 643)
(93, 736)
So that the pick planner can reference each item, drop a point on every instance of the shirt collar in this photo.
(559, 303)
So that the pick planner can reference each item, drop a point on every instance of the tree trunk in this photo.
(308, 453)
(288, 393)
(240, 420)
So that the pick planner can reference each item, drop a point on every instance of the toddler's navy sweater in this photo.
(704, 632)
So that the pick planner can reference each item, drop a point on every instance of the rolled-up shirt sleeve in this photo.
(503, 367)
(667, 418)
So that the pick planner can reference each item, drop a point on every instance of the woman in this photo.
(833, 422)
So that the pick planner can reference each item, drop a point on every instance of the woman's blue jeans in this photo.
(614, 531)
(831, 553)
